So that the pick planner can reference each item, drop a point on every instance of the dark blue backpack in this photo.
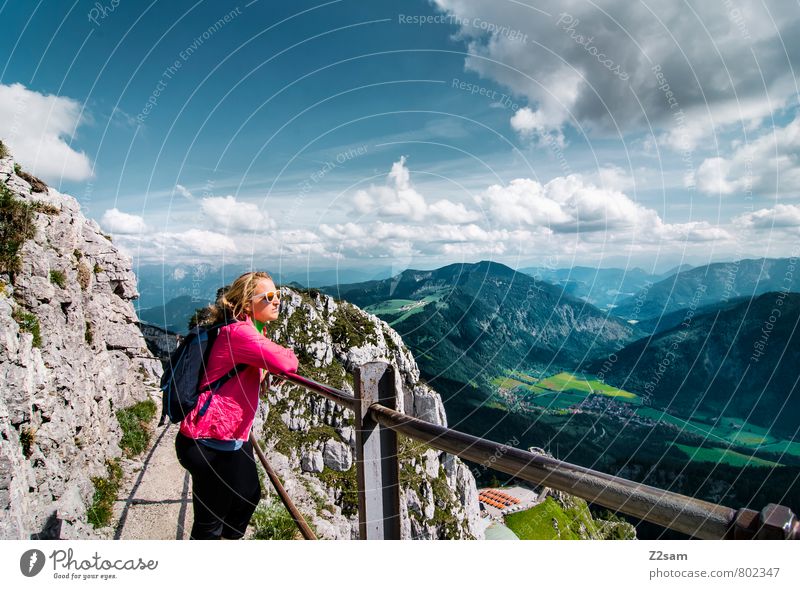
(186, 369)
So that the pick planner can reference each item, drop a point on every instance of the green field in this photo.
(505, 382)
(390, 307)
(398, 310)
(566, 381)
(556, 400)
(564, 384)
(722, 456)
(536, 523)
(561, 391)
(727, 430)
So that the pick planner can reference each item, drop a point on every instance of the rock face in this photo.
(59, 396)
(311, 440)
(160, 342)
(62, 387)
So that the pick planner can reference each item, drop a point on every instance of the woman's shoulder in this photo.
(240, 329)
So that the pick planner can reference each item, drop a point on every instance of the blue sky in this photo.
(397, 134)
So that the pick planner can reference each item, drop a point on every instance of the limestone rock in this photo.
(312, 462)
(58, 403)
(337, 456)
(440, 502)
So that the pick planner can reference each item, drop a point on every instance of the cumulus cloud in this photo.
(38, 128)
(571, 204)
(769, 165)
(780, 217)
(399, 198)
(388, 239)
(523, 215)
(233, 214)
(176, 246)
(198, 241)
(609, 71)
(232, 226)
(118, 222)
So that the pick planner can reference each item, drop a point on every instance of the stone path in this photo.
(155, 502)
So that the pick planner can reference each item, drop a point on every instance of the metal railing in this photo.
(377, 423)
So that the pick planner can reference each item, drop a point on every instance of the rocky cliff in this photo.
(311, 440)
(71, 354)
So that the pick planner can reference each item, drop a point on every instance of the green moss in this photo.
(320, 502)
(45, 208)
(3, 150)
(614, 527)
(134, 422)
(551, 520)
(77, 253)
(351, 328)
(272, 521)
(88, 335)
(58, 278)
(288, 440)
(28, 323)
(347, 483)
(97, 268)
(105, 493)
(16, 226)
(390, 343)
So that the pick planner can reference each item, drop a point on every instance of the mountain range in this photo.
(602, 287)
(739, 361)
(713, 283)
(466, 323)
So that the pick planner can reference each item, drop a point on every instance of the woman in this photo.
(214, 447)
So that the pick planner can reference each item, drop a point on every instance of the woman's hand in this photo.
(276, 384)
(270, 384)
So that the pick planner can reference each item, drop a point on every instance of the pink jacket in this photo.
(233, 407)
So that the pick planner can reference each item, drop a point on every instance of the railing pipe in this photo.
(685, 514)
(695, 517)
(339, 397)
(298, 518)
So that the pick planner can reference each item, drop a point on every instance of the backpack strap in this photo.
(212, 333)
(217, 384)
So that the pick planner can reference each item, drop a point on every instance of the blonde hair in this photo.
(231, 300)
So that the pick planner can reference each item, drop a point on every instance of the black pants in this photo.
(225, 488)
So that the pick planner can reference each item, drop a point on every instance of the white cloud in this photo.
(38, 128)
(118, 222)
(399, 198)
(448, 211)
(574, 213)
(712, 176)
(538, 125)
(571, 204)
(183, 191)
(232, 214)
(781, 217)
(768, 165)
(598, 70)
(176, 246)
(194, 242)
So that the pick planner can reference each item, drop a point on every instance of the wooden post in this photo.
(377, 466)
